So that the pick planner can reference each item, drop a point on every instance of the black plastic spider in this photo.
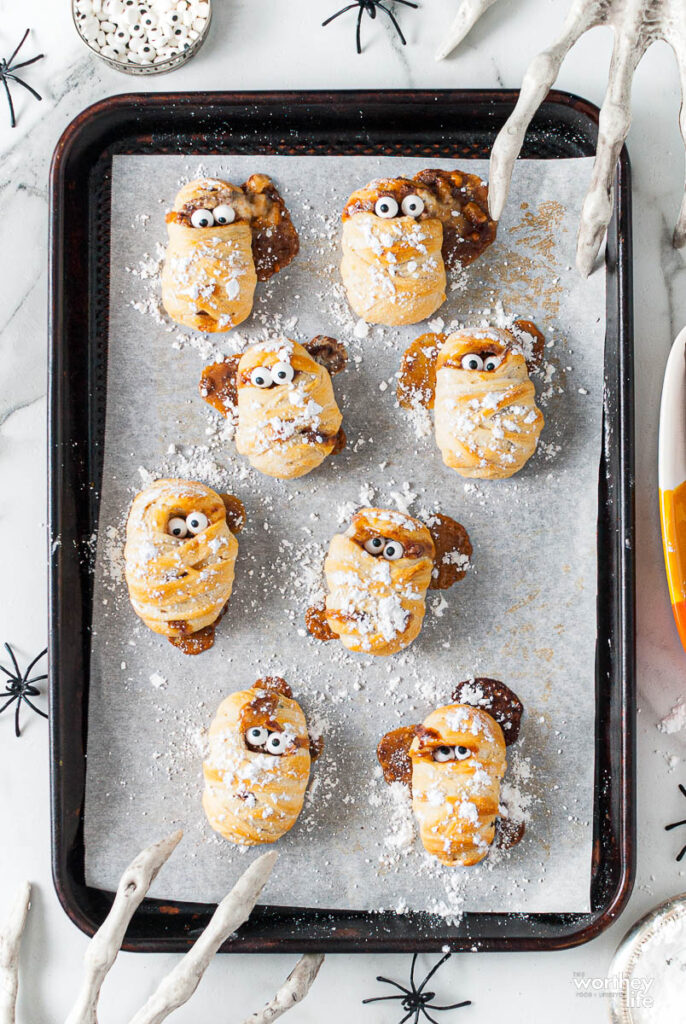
(369, 7)
(21, 688)
(677, 824)
(8, 73)
(415, 1000)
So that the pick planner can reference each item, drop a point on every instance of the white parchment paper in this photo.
(524, 614)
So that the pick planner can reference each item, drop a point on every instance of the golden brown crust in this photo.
(412, 533)
(461, 204)
(274, 238)
(193, 643)
(274, 684)
(458, 200)
(219, 387)
(417, 380)
(179, 585)
(317, 624)
(259, 204)
(508, 833)
(453, 551)
(533, 345)
(487, 423)
(253, 794)
(328, 352)
(501, 703)
(364, 199)
(235, 512)
(393, 754)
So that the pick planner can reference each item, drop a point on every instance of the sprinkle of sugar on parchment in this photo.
(488, 624)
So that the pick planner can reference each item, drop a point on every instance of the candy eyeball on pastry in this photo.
(202, 218)
(223, 239)
(257, 736)
(393, 550)
(282, 373)
(477, 381)
(197, 522)
(258, 766)
(179, 559)
(376, 605)
(224, 214)
(177, 526)
(261, 377)
(400, 235)
(386, 207)
(472, 361)
(453, 764)
(412, 205)
(280, 397)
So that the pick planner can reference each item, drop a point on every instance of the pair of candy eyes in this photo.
(265, 376)
(443, 754)
(273, 742)
(473, 361)
(390, 549)
(207, 218)
(194, 523)
(387, 206)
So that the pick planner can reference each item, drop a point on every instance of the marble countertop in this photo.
(280, 45)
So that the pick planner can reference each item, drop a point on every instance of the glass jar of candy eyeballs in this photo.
(143, 37)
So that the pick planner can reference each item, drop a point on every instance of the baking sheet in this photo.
(524, 614)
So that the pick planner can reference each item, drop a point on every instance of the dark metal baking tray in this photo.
(456, 124)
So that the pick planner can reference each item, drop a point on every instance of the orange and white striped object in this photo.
(672, 479)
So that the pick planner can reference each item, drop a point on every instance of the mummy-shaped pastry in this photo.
(280, 396)
(400, 235)
(477, 381)
(258, 766)
(179, 559)
(454, 763)
(378, 573)
(223, 239)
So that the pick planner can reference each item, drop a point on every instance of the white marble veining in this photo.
(279, 44)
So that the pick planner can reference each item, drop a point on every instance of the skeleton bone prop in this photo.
(637, 25)
(177, 987)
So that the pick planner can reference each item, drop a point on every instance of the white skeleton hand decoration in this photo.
(637, 25)
(178, 986)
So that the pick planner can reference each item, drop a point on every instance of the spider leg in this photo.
(393, 18)
(538, 80)
(681, 855)
(333, 17)
(675, 824)
(19, 81)
(683, 789)
(382, 999)
(413, 985)
(23, 40)
(395, 984)
(25, 63)
(407, 1016)
(7, 646)
(407, 3)
(428, 1016)
(17, 730)
(36, 679)
(613, 127)
(359, 29)
(15, 696)
(34, 708)
(433, 971)
(453, 1006)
